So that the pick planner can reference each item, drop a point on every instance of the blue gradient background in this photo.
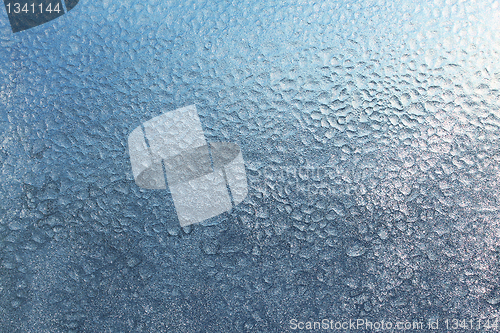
(370, 132)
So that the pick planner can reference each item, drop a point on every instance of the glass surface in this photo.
(369, 134)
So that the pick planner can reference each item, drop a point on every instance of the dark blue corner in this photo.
(26, 14)
(70, 4)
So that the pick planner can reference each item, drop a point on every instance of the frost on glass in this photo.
(371, 143)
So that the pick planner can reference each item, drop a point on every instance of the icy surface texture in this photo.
(370, 133)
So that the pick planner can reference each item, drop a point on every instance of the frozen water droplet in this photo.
(133, 261)
(173, 230)
(187, 229)
(146, 271)
(383, 234)
(210, 247)
(494, 300)
(356, 250)
(494, 297)
(406, 273)
(331, 230)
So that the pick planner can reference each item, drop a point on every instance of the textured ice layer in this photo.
(370, 133)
